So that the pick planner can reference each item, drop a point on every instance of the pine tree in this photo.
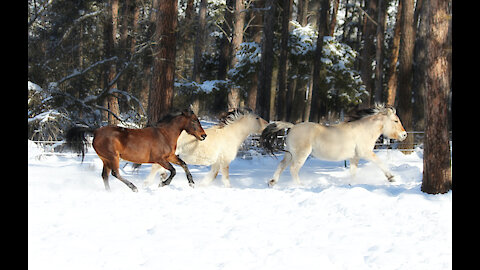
(160, 98)
(437, 170)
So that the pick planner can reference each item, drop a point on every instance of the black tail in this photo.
(75, 139)
(269, 138)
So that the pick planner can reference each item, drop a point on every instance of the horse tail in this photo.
(269, 136)
(75, 139)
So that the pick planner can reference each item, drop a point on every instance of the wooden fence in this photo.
(251, 145)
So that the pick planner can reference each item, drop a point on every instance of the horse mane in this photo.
(231, 116)
(167, 118)
(379, 108)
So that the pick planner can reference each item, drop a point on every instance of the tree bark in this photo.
(368, 51)
(437, 170)
(283, 62)
(110, 34)
(147, 59)
(379, 54)
(302, 7)
(256, 31)
(161, 93)
(225, 47)
(405, 74)
(333, 18)
(317, 92)
(419, 67)
(199, 41)
(237, 39)
(392, 67)
(266, 65)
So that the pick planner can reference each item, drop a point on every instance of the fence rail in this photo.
(252, 145)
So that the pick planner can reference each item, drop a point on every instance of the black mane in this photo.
(230, 116)
(378, 108)
(359, 114)
(169, 117)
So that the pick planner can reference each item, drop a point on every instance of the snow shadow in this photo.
(254, 173)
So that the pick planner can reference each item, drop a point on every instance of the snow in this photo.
(206, 86)
(330, 222)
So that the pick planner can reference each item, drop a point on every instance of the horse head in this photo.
(392, 126)
(193, 126)
(260, 123)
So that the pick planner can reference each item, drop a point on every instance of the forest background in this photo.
(130, 62)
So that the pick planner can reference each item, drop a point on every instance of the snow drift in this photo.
(328, 223)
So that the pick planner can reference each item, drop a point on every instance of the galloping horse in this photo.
(219, 148)
(351, 140)
(155, 144)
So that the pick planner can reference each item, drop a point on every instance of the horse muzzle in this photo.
(402, 135)
(203, 136)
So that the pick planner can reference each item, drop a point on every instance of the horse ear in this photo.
(391, 110)
(187, 112)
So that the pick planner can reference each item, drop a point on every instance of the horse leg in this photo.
(177, 160)
(225, 177)
(165, 164)
(211, 174)
(105, 173)
(373, 158)
(297, 162)
(353, 166)
(287, 159)
(116, 174)
(125, 181)
(151, 176)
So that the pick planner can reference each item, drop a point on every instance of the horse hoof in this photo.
(391, 178)
(147, 184)
(192, 184)
(271, 183)
(134, 189)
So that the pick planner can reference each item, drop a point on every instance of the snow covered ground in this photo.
(330, 222)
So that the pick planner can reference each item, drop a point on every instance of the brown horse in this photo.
(154, 144)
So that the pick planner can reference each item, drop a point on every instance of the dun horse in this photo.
(219, 148)
(147, 145)
(350, 140)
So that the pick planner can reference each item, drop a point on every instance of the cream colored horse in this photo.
(218, 149)
(351, 140)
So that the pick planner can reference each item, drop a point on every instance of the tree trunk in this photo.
(147, 61)
(160, 98)
(379, 54)
(110, 33)
(392, 67)
(333, 18)
(407, 43)
(419, 68)
(368, 51)
(266, 65)
(302, 7)
(199, 40)
(283, 62)
(237, 39)
(225, 47)
(256, 31)
(317, 92)
(199, 47)
(437, 170)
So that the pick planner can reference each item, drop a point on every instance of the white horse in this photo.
(218, 149)
(350, 140)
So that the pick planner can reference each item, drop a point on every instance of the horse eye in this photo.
(396, 121)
